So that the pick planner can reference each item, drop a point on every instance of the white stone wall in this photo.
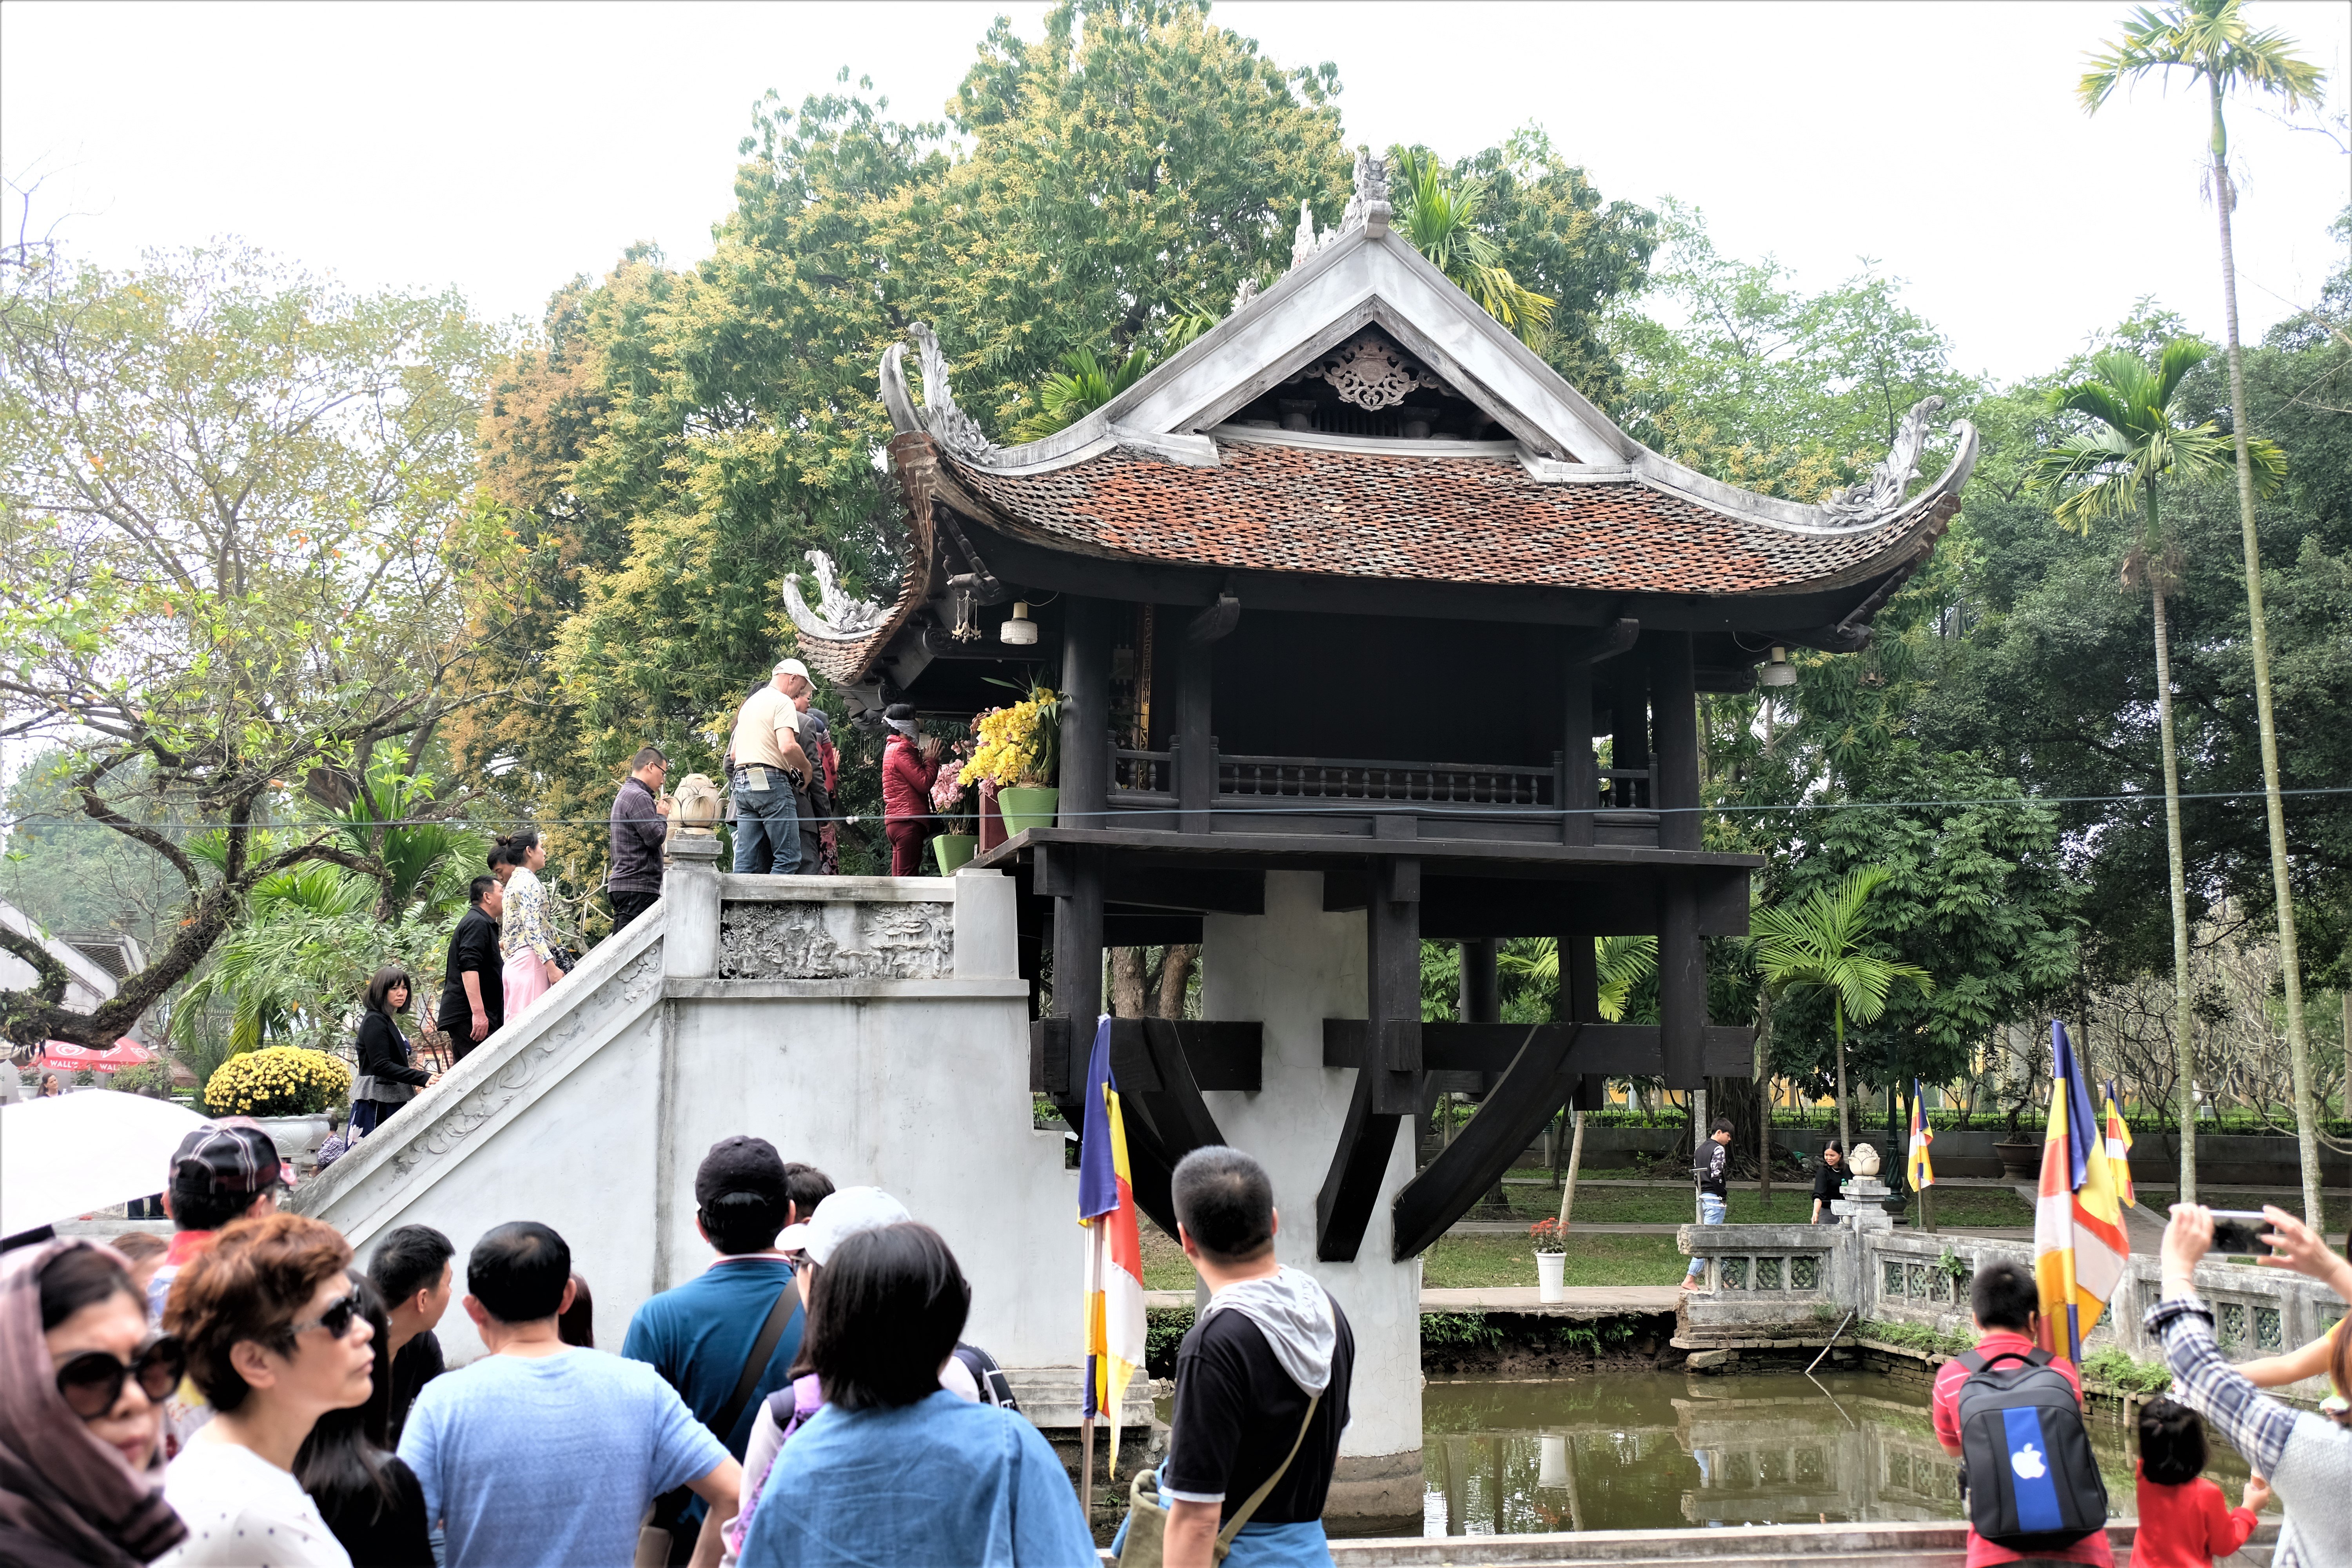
(1292, 967)
(591, 1112)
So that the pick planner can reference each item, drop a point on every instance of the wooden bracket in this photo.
(1530, 1091)
(1606, 642)
(1217, 622)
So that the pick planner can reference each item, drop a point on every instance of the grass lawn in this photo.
(1468, 1262)
(1673, 1206)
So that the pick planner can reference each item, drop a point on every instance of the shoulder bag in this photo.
(1146, 1516)
(655, 1543)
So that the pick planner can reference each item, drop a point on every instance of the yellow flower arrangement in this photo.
(1017, 745)
(283, 1081)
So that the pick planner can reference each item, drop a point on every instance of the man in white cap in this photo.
(768, 765)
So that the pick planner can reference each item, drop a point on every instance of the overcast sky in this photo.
(504, 148)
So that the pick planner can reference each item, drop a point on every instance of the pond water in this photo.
(1655, 1450)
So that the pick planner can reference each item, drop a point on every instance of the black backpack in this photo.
(2025, 1461)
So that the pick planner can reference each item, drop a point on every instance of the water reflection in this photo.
(1668, 1450)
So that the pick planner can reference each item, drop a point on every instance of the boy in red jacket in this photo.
(2184, 1520)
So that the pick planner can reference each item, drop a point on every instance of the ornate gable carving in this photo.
(1373, 374)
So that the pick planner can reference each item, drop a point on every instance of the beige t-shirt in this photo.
(766, 712)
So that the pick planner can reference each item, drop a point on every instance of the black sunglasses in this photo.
(91, 1382)
(336, 1320)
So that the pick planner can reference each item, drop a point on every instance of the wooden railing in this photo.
(1134, 773)
(1337, 778)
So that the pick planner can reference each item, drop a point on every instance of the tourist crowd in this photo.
(249, 1394)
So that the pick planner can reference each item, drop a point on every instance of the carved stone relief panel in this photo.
(836, 941)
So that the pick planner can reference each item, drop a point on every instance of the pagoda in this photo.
(1341, 599)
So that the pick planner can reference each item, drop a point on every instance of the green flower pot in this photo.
(951, 850)
(1024, 808)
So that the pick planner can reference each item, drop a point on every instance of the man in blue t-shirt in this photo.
(541, 1453)
(698, 1335)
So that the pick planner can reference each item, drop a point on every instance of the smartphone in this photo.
(2238, 1230)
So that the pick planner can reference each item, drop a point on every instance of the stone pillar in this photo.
(1291, 968)
(690, 894)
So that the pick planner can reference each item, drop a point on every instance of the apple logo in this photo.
(2027, 1463)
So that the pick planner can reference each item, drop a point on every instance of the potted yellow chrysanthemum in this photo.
(285, 1088)
(1018, 749)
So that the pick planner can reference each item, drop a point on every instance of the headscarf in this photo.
(60, 1488)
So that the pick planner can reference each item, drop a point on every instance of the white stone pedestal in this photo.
(1291, 968)
(1864, 1205)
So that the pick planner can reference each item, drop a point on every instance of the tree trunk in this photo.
(1763, 1082)
(1845, 1124)
(2183, 1041)
(1176, 977)
(2298, 1042)
(1575, 1159)
(1127, 982)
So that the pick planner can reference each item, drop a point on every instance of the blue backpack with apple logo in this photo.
(2026, 1465)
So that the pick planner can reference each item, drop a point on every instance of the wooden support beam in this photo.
(1388, 1086)
(1674, 705)
(1179, 888)
(1682, 985)
(1629, 723)
(1577, 1000)
(1613, 1050)
(1086, 712)
(1147, 928)
(1078, 942)
(1194, 746)
(1216, 623)
(1481, 984)
(1579, 773)
(1524, 1098)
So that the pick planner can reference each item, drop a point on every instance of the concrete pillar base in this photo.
(1376, 1494)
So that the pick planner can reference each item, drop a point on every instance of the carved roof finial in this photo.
(1303, 242)
(1243, 295)
(955, 431)
(1881, 494)
(1369, 207)
(838, 616)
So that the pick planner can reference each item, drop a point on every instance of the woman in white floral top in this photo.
(526, 936)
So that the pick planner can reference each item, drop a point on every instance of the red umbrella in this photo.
(63, 1056)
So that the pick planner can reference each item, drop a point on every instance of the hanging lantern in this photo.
(1778, 672)
(1019, 629)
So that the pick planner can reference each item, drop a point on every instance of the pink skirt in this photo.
(524, 979)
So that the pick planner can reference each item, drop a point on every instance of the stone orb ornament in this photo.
(694, 808)
(1864, 1161)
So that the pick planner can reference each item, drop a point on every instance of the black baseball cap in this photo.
(740, 1165)
(217, 1160)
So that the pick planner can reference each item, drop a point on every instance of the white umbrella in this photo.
(63, 1157)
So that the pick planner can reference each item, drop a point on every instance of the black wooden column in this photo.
(1196, 745)
(1579, 779)
(1682, 983)
(1481, 986)
(1577, 1000)
(1674, 701)
(1078, 944)
(1086, 712)
(1389, 1077)
(1629, 724)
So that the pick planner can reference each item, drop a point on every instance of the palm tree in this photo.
(1083, 384)
(1440, 217)
(2210, 41)
(2139, 441)
(1622, 962)
(1816, 941)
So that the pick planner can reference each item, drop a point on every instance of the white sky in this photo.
(505, 148)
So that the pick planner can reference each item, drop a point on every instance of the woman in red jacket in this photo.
(909, 766)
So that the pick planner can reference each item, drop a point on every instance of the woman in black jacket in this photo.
(387, 1081)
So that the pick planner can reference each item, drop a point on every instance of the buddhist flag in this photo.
(2079, 1246)
(1923, 1172)
(1115, 1333)
(2119, 1150)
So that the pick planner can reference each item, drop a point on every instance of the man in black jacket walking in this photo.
(1713, 1168)
(640, 828)
(473, 987)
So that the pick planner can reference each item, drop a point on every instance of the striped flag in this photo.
(2119, 1150)
(1923, 1170)
(1115, 1332)
(2079, 1246)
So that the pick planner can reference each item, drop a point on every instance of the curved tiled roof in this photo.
(1274, 508)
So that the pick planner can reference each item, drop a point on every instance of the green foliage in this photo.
(237, 537)
(1440, 214)
(1164, 1329)
(1082, 385)
(152, 1080)
(1459, 1331)
(1919, 1337)
(2116, 1369)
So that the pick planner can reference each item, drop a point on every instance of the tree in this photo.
(1818, 942)
(236, 523)
(2138, 440)
(1441, 216)
(2209, 40)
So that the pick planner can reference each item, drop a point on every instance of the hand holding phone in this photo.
(2239, 1231)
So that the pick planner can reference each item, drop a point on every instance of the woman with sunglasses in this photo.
(367, 1495)
(275, 1340)
(83, 1382)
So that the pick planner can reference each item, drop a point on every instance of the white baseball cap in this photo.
(794, 666)
(840, 1216)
